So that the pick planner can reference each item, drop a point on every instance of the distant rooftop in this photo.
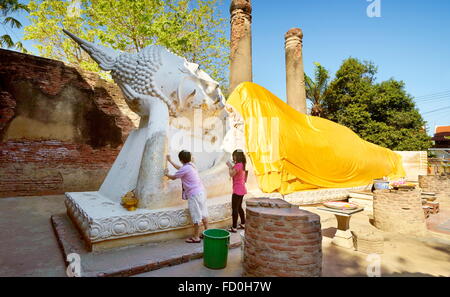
(442, 129)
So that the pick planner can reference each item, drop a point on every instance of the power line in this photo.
(434, 94)
(436, 110)
(432, 99)
(432, 104)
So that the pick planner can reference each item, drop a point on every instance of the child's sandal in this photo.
(242, 227)
(192, 240)
(232, 230)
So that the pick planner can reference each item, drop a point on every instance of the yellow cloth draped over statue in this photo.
(291, 151)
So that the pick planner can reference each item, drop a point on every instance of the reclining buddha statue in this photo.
(291, 151)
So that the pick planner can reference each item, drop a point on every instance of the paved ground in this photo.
(439, 223)
(29, 248)
(195, 268)
(131, 260)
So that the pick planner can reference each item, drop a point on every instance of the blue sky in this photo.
(409, 42)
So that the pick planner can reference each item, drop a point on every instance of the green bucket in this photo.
(215, 248)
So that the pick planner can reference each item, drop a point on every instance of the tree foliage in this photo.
(316, 89)
(8, 7)
(381, 113)
(189, 28)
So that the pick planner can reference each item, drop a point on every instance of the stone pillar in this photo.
(281, 240)
(295, 77)
(241, 43)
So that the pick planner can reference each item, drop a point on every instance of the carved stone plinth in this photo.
(105, 224)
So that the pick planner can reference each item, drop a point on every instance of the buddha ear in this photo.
(190, 97)
(187, 90)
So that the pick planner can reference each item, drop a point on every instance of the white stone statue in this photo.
(159, 86)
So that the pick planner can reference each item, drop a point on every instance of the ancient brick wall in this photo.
(435, 183)
(399, 211)
(60, 129)
(281, 240)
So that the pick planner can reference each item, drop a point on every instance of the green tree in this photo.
(316, 89)
(189, 28)
(8, 7)
(381, 113)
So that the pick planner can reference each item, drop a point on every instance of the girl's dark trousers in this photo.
(237, 210)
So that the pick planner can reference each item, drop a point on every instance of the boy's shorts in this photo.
(197, 207)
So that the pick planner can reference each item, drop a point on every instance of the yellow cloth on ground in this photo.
(291, 151)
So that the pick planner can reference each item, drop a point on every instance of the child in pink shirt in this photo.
(193, 192)
(239, 174)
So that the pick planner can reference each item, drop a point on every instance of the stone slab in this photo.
(311, 197)
(361, 195)
(129, 260)
(341, 212)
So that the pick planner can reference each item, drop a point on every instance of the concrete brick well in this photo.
(281, 240)
(399, 211)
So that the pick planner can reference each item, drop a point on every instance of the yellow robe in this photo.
(291, 151)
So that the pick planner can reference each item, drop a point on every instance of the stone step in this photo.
(129, 260)
(361, 195)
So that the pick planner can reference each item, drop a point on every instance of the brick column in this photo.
(241, 43)
(399, 211)
(295, 77)
(281, 240)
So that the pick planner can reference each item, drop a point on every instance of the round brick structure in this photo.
(399, 211)
(281, 240)
(368, 240)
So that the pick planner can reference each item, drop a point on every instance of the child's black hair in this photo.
(184, 156)
(239, 157)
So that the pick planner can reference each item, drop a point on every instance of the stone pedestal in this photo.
(399, 211)
(343, 236)
(105, 224)
(281, 240)
(295, 77)
(241, 43)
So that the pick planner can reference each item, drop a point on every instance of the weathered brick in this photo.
(282, 248)
(277, 229)
(278, 249)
